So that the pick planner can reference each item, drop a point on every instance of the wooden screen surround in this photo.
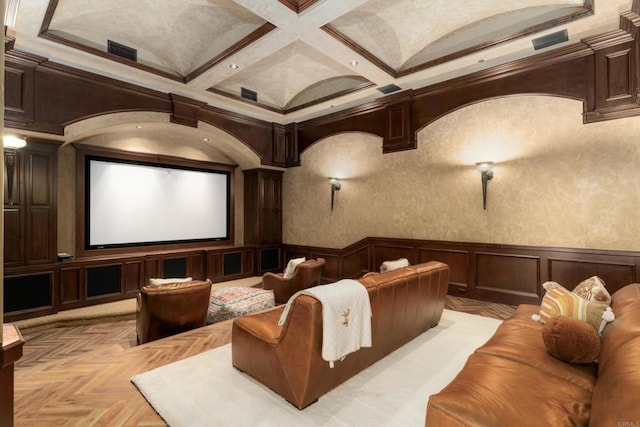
(500, 273)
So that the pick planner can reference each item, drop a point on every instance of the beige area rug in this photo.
(205, 390)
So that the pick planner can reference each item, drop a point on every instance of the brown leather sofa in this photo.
(165, 310)
(287, 359)
(307, 274)
(512, 380)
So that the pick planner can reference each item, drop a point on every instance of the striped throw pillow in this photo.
(559, 301)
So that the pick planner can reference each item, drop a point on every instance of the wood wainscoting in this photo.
(507, 274)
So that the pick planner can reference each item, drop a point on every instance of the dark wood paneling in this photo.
(398, 135)
(19, 86)
(279, 145)
(133, 278)
(30, 226)
(95, 280)
(45, 96)
(507, 273)
(38, 243)
(262, 206)
(13, 243)
(457, 260)
(214, 266)
(195, 266)
(570, 272)
(355, 263)
(370, 118)
(185, 110)
(70, 285)
(382, 253)
(40, 193)
(332, 267)
(152, 268)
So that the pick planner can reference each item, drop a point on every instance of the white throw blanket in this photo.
(346, 317)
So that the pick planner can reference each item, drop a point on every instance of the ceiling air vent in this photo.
(550, 39)
(122, 50)
(249, 94)
(389, 89)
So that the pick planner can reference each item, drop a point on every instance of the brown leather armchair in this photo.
(307, 274)
(169, 309)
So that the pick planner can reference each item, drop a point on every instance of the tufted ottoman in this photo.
(227, 303)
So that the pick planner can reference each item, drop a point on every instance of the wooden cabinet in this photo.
(30, 204)
(262, 206)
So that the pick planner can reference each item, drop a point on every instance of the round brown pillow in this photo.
(571, 340)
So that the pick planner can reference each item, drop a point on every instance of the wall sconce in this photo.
(486, 174)
(11, 143)
(335, 186)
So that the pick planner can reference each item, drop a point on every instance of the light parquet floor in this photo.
(80, 375)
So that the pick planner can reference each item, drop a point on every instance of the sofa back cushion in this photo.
(615, 396)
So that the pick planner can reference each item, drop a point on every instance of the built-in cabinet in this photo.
(262, 206)
(30, 222)
(263, 216)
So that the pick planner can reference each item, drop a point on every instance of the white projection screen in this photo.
(132, 203)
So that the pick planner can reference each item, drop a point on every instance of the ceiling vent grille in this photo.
(249, 94)
(389, 89)
(550, 39)
(122, 50)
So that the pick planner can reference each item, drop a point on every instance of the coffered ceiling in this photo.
(287, 60)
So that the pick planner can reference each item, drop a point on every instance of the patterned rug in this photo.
(205, 390)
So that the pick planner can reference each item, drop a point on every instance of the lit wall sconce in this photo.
(486, 174)
(11, 143)
(335, 186)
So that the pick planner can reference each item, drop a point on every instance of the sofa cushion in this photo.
(558, 301)
(522, 342)
(571, 340)
(499, 392)
(593, 289)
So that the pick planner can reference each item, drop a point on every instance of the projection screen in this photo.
(132, 203)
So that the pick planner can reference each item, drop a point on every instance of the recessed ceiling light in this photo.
(353, 62)
(234, 66)
(139, 126)
(205, 139)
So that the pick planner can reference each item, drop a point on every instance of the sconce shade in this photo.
(485, 167)
(14, 142)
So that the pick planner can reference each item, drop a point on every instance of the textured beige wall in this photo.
(557, 181)
(166, 139)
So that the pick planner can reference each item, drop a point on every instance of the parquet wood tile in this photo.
(80, 375)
